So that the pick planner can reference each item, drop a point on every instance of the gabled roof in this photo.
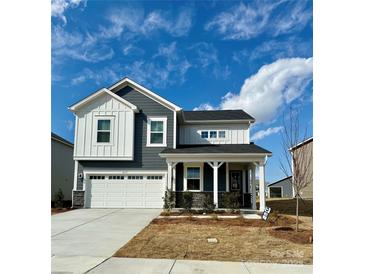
(302, 143)
(216, 115)
(274, 183)
(128, 82)
(61, 140)
(93, 96)
(217, 149)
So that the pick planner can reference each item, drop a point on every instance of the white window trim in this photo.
(214, 139)
(201, 166)
(95, 129)
(164, 139)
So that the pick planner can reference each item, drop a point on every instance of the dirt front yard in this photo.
(238, 240)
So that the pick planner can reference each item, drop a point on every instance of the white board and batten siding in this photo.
(122, 130)
(235, 134)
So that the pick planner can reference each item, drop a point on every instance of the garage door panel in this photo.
(134, 191)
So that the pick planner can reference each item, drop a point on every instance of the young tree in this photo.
(297, 162)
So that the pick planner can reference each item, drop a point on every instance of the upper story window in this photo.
(156, 131)
(103, 131)
(204, 134)
(213, 134)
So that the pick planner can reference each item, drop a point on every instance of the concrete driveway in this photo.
(84, 238)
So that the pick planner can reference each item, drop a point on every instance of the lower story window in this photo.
(193, 178)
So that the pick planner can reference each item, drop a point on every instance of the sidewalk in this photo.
(168, 266)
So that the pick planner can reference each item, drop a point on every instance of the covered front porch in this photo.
(217, 174)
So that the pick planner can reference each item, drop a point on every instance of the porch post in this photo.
(174, 178)
(215, 184)
(253, 186)
(169, 175)
(262, 186)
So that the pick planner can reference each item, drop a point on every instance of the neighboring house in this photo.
(281, 189)
(306, 149)
(131, 145)
(62, 167)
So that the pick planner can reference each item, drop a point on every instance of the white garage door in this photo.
(125, 191)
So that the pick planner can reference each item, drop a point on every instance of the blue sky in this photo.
(251, 55)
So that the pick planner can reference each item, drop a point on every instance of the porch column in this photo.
(262, 186)
(174, 178)
(215, 184)
(169, 175)
(253, 186)
(215, 165)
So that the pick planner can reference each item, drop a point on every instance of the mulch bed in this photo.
(198, 212)
(303, 236)
(276, 221)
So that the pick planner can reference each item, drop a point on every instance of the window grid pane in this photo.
(103, 124)
(156, 126)
(213, 134)
(222, 134)
(204, 134)
(156, 138)
(103, 137)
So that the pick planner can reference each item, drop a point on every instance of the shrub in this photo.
(169, 200)
(58, 202)
(208, 205)
(187, 200)
(231, 201)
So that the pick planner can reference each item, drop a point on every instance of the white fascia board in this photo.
(215, 155)
(124, 172)
(147, 92)
(85, 158)
(93, 96)
(299, 144)
(217, 121)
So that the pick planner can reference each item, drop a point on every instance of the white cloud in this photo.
(205, 57)
(78, 46)
(204, 53)
(69, 125)
(204, 106)
(246, 21)
(274, 49)
(103, 76)
(275, 85)
(298, 16)
(166, 68)
(133, 22)
(264, 133)
(58, 7)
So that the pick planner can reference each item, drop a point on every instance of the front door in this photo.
(235, 184)
(235, 181)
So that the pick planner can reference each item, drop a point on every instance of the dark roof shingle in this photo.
(206, 115)
(197, 149)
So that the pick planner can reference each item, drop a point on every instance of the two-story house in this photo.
(131, 145)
